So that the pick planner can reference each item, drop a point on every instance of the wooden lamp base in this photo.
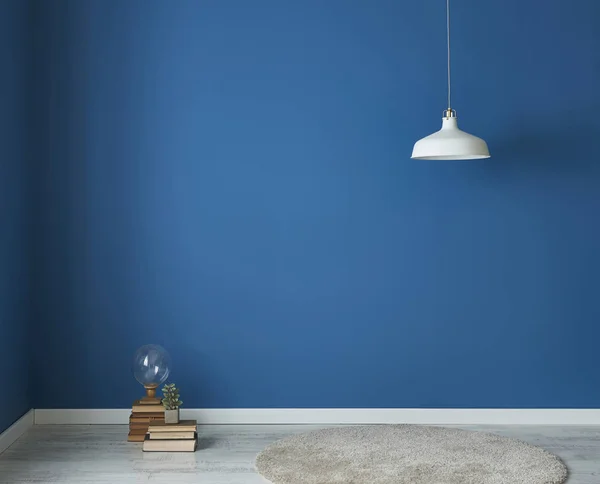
(150, 398)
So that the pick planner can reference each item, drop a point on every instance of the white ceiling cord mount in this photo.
(450, 143)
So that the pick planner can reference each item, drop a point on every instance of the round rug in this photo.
(407, 454)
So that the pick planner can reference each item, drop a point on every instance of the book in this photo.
(147, 415)
(136, 437)
(147, 423)
(182, 426)
(146, 404)
(145, 408)
(144, 424)
(138, 426)
(169, 445)
(149, 401)
(151, 418)
(172, 435)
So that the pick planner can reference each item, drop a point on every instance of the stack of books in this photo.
(181, 437)
(142, 415)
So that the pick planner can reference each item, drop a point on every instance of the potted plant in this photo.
(171, 403)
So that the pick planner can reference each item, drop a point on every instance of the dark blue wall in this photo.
(232, 180)
(14, 212)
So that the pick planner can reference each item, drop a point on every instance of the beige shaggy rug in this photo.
(407, 454)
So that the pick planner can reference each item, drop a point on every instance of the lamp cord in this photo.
(448, 38)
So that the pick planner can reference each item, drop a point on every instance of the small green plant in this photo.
(171, 397)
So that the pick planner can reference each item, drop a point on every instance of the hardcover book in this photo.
(172, 435)
(182, 426)
(151, 445)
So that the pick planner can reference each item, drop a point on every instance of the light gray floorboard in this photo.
(99, 454)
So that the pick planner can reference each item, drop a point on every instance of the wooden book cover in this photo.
(182, 426)
(169, 445)
(172, 435)
(136, 437)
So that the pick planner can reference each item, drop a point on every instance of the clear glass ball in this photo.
(151, 365)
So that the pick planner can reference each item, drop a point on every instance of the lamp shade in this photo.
(450, 143)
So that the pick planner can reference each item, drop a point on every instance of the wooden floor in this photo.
(98, 454)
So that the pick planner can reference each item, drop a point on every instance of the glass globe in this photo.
(151, 367)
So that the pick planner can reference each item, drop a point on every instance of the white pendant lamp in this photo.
(450, 143)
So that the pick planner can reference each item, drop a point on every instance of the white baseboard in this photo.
(12, 433)
(82, 416)
(348, 416)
